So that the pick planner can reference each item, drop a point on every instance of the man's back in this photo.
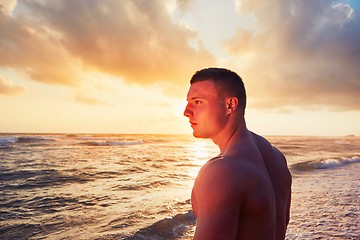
(280, 176)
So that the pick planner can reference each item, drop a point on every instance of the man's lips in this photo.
(193, 124)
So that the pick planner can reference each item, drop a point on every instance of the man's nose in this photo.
(187, 111)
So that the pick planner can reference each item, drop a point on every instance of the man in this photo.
(244, 193)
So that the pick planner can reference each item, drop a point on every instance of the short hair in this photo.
(227, 83)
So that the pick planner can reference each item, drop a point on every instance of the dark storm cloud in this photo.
(305, 53)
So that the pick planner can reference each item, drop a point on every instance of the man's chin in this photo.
(198, 135)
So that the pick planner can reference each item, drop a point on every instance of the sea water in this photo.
(84, 186)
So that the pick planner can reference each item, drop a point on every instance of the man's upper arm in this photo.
(218, 202)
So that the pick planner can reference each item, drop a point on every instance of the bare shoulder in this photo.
(276, 165)
(225, 166)
(228, 176)
(217, 169)
(268, 151)
(262, 143)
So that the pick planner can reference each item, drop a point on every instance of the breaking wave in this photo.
(26, 139)
(168, 228)
(323, 164)
(112, 142)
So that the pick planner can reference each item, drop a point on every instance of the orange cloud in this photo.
(135, 40)
(8, 88)
(30, 47)
(87, 99)
(303, 54)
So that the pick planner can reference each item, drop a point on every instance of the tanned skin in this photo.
(244, 193)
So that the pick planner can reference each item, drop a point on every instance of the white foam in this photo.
(113, 143)
(8, 139)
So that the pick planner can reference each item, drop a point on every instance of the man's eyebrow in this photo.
(193, 98)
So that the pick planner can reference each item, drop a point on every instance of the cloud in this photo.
(9, 88)
(32, 48)
(7, 6)
(304, 53)
(88, 100)
(53, 40)
(183, 4)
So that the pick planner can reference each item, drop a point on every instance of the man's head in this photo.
(216, 101)
(227, 83)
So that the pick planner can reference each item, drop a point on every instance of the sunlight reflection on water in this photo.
(202, 150)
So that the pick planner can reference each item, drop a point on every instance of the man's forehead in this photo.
(202, 89)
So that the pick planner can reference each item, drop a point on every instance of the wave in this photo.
(91, 139)
(323, 164)
(25, 230)
(142, 186)
(80, 139)
(98, 140)
(6, 140)
(112, 142)
(31, 179)
(169, 228)
(35, 139)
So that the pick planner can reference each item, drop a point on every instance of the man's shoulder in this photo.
(266, 148)
(226, 168)
(220, 178)
(262, 142)
(215, 166)
(274, 160)
(223, 164)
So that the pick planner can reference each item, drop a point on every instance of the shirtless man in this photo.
(244, 193)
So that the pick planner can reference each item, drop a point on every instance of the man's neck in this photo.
(234, 131)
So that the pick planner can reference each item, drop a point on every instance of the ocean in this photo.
(93, 186)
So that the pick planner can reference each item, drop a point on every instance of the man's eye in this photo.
(197, 102)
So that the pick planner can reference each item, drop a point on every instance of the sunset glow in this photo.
(124, 66)
(202, 150)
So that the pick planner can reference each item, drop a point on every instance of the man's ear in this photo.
(232, 104)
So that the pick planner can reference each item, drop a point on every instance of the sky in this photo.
(91, 66)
